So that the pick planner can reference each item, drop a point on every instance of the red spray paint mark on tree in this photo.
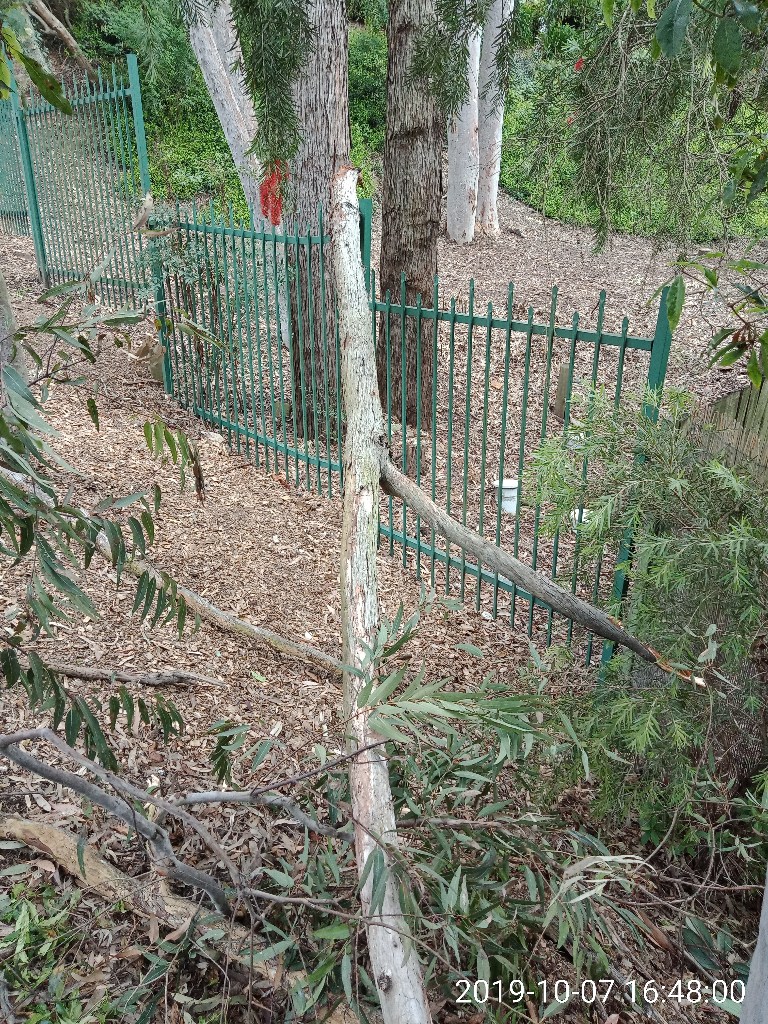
(271, 195)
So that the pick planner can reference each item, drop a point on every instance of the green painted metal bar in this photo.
(503, 440)
(211, 417)
(433, 475)
(131, 185)
(313, 370)
(467, 420)
(584, 336)
(366, 222)
(418, 429)
(543, 434)
(328, 365)
(101, 95)
(484, 439)
(449, 441)
(657, 372)
(403, 403)
(521, 451)
(270, 368)
(42, 156)
(30, 184)
(137, 112)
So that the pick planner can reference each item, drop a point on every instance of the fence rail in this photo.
(248, 325)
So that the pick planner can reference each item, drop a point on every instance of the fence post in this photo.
(157, 270)
(366, 218)
(33, 205)
(657, 372)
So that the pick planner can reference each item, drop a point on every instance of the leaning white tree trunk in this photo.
(463, 156)
(398, 974)
(754, 1009)
(213, 40)
(490, 120)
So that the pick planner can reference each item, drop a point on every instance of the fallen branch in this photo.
(265, 800)
(496, 558)
(146, 897)
(172, 677)
(55, 25)
(207, 611)
(156, 836)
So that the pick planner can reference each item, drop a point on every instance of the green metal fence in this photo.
(251, 347)
(14, 213)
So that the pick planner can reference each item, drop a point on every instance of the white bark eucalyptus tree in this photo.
(215, 45)
(464, 154)
(490, 118)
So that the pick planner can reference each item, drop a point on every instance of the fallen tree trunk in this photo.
(396, 969)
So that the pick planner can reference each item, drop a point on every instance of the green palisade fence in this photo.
(248, 326)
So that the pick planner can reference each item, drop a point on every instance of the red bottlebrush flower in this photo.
(270, 194)
(579, 64)
(570, 119)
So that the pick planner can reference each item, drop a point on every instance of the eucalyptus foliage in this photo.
(45, 535)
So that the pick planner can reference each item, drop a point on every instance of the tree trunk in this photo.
(397, 973)
(322, 106)
(214, 42)
(55, 25)
(490, 120)
(754, 1009)
(215, 45)
(8, 353)
(410, 211)
(463, 156)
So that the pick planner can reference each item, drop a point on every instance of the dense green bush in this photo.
(663, 178)
(187, 149)
(368, 85)
(372, 13)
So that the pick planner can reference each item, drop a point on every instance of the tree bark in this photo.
(9, 354)
(463, 156)
(322, 106)
(537, 584)
(754, 1009)
(490, 120)
(55, 25)
(410, 210)
(396, 970)
(216, 48)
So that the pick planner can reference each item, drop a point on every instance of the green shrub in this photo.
(372, 13)
(368, 85)
(188, 153)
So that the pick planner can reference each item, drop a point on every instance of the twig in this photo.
(293, 779)
(266, 800)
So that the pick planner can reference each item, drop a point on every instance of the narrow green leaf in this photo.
(675, 300)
